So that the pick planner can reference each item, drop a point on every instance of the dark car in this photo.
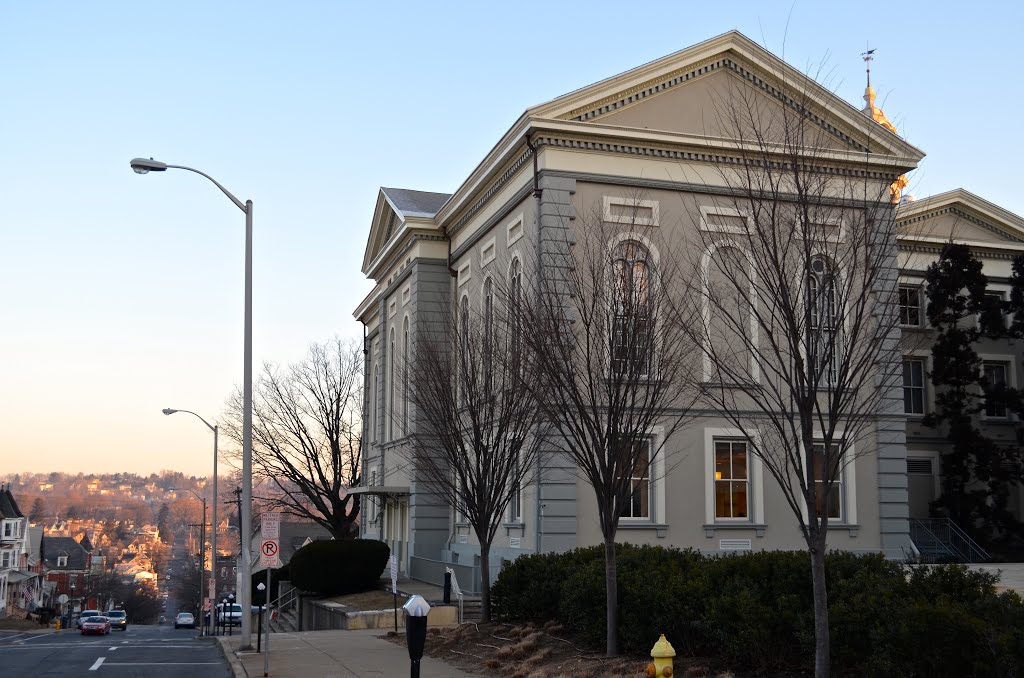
(118, 619)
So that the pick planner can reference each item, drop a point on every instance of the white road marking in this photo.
(113, 648)
(162, 664)
(99, 663)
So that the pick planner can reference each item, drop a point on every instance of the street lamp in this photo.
(144, 166)
(213, 512)
(202, 545)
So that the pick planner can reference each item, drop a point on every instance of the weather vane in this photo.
(868, 56)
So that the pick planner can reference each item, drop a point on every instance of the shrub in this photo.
(335, 567)
(755, 610)
(530, 587)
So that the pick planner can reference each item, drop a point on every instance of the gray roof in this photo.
(9, 507)
(53, 547)
(415, 203)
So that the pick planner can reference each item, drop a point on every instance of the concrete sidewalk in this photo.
(332, 654)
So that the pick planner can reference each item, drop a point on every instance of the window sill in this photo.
(759, 528)
(852, 529)
(514, 525)
(660, 529)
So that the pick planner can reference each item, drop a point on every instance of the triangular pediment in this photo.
(959, 216)
(395, 208)
(690, 93)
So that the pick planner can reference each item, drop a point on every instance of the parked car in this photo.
(184, 620)
(95, 625)
(118, 619)
(85, 615)
(229, 615)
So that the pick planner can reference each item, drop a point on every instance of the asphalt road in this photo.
(143, 651)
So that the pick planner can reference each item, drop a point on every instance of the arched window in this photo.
(823, 322)
(515, 311)
(465, 360)
(488, 347)
(631, 340)
(405, 376)
(391, 385)
(374, 404)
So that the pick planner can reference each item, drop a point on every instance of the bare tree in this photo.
(796, 294)
(614, 364)
(476, 437)
(306, 435)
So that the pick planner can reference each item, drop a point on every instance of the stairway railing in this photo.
(947, 534)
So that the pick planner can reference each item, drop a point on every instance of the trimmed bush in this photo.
(755, 610)
(336, 567)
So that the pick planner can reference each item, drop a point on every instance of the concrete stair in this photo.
(287, 621)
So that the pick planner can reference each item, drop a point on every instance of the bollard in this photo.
(447, 588)
(662, 653)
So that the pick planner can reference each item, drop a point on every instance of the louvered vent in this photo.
(463, 538)
(734, 544)
(919, 465)
(513, 542)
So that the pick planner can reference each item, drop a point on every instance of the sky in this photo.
(122, 294)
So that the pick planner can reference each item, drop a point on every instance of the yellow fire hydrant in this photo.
(662, 653)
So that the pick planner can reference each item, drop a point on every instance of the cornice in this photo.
(700, 69)
(689, 151)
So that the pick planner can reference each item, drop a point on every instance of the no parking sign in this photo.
(270, 533)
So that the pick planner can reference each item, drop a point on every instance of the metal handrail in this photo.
(949, 535)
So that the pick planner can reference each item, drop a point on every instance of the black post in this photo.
(447, 587)
(259, 631)
(395, 593)
(415, 639)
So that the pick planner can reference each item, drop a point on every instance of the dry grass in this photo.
(367, 600)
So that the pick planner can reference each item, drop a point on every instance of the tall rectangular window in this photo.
(732, 479)
(913, 386)
(910, 305)
(833, 503)
(638, 504)
(994, 375)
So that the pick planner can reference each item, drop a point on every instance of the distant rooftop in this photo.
(415, 203)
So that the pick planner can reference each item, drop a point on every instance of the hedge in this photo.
(754, 611)
(334, 567)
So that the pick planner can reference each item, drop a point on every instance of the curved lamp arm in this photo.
(143, 166)
(168, 411)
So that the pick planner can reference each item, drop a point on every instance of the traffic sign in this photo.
(270, 532)
(394, 574)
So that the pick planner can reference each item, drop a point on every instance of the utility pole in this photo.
(237, 501)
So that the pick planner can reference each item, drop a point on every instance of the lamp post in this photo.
(202, 549)
(144, 166)
(213, 510)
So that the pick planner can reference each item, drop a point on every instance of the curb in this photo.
(229, 653)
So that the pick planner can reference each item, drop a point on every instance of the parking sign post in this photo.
(270, 557)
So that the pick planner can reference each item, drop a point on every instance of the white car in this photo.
(184, 620)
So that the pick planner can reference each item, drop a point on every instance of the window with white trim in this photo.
(631, 211)
(515, 504)
(6, 558)
(10, 528)
(825, 343)
(515, 295)
(405, 375)
(995, 377)
(488, 353)
(910, 305)
(834, 501)
(913, 385)
(391, 410)
(632, 342)
(638, 504)
(62, 561)
(732, 480)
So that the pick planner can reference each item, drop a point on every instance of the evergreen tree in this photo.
(975, 475)
(37, 510)
(163, 523)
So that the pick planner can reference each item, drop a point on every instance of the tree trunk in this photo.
(611, 583)
(822, 652)
(485, 582)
